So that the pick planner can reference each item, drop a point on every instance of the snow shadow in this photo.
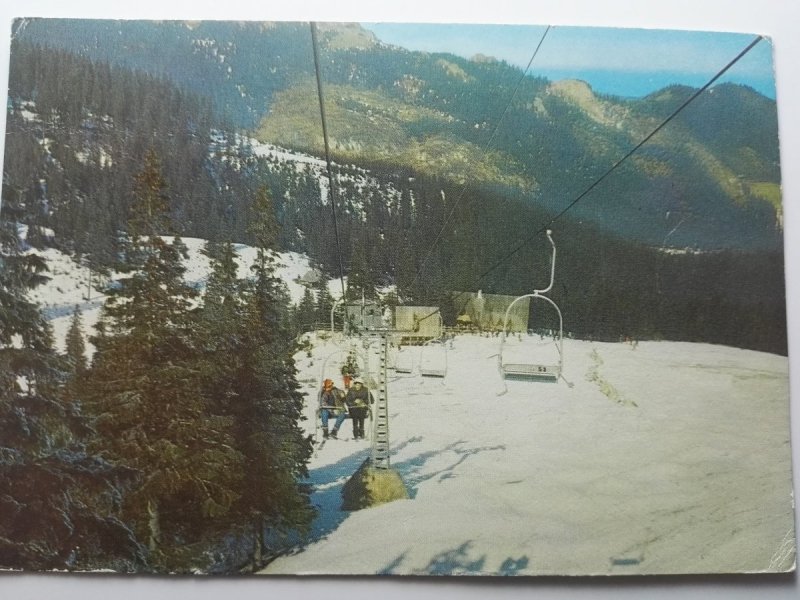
(413, 473)
(458, 561)
(327, 482)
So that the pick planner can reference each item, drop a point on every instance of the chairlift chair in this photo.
(512, 369)
(335, 374)
(433, 359)
(403, 362)
(530, 370)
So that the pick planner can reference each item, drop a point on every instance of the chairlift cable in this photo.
(331, 186)
(647, 138)
(654, 132)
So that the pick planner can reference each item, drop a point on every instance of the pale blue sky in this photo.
(626, 62)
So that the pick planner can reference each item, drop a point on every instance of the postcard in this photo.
(414, 299)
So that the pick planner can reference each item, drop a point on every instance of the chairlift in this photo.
(526, 370)
(325, 372)
(403, 361)
(433, 359)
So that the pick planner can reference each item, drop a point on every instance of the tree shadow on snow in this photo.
(327, 482)
(458, 562)
(412, 473)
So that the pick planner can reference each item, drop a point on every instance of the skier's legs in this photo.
(340, 419)
(338, 423)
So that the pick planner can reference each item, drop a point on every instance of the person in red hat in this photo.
(331, 403)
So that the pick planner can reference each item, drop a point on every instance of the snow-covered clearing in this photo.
(284, 155)
(663, 458)
(69, 283)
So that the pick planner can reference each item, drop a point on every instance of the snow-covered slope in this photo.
(662, 458)
(69, 283)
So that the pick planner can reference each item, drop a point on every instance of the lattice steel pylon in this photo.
(375, 482)
(379, 457)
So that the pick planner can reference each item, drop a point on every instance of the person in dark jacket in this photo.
(331, 404)
(358, 400)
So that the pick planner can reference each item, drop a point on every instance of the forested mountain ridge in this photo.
(78, 130)
(710, 179)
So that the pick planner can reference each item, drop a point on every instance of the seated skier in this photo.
(358, 400)
(331, 403)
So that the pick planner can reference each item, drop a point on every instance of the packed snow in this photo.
(661, 457)
(71, 284)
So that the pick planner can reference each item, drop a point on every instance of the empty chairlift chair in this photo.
(403, 361)
(433, 359)
(536, 368)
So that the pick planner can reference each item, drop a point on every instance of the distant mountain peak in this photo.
(344, 36)
(580, 94)
(483, 59)
(576, 89)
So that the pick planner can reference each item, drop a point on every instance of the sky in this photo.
(623, 62)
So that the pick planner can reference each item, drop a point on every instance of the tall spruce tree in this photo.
(278, 449)
(146, 390)
(360, 279)
(306, 314)
(324, 297)
(57, 502)
(75, 345)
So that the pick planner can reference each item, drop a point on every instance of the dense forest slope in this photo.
(712, 176)
(79, 129)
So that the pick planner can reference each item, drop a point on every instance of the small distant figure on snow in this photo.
(358, 401)
(349, 369)
(331, 404)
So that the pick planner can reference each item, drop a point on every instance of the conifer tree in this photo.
(57, 502)
(278, 449)
(250, 381)
(75, 345)
(360, 281)
(306, 311)
(146, 389)
(405, 274)
(221, 328)
(324, 298)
